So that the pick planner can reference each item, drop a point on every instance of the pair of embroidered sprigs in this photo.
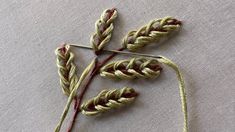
(123, 69)
(136, 39)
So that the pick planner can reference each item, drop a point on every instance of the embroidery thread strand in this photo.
(183, 96)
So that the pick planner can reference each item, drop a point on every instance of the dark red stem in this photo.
(86, 86)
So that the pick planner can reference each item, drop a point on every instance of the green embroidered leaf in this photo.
(108, 99)
(152, 32)
(131, 68)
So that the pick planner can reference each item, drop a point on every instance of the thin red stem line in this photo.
(92, 75)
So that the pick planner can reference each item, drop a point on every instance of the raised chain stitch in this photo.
(152, 32)
(108, 99)
(104, 28)
(131, 68)
(66, 68)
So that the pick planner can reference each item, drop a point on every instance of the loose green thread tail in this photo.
(66, 69)
(152, 32)
(181, 88)
(73, 94)
(132, 68)
(104, 28)
(108, 99)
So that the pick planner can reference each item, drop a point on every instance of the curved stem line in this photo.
(86, 86)
(183, 96)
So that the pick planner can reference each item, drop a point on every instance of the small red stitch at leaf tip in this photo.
(63, 48)
(111, 11)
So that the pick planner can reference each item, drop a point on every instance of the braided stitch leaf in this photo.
(131, 68)
(152, 32)
(108, 99)
(66, 69)
(104, 28)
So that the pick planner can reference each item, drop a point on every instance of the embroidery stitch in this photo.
(108, 99)
(131, 68)
(104, 28)
(152, 32)
(66, 68)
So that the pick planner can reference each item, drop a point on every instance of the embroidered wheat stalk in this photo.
(132, 68)
(152, 32)
(66, 68)
(108, 99)
(73, 94)
(124, 69)
(104, 28)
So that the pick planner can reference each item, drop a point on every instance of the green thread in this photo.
(108, 99)
(183, 96)
(152, 32)
(66, 68)
(131, 68)
(73, 94)
(124, 69)
(104, 28)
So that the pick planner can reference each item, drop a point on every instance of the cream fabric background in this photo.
(30, 96)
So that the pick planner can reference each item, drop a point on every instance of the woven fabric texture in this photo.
(30, 93)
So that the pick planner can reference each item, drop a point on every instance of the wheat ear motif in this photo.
(152, 32)
(66, 68)
(104, 28)
(108, 99)
(131, 69)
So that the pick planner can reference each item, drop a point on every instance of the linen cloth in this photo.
(31, 99)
